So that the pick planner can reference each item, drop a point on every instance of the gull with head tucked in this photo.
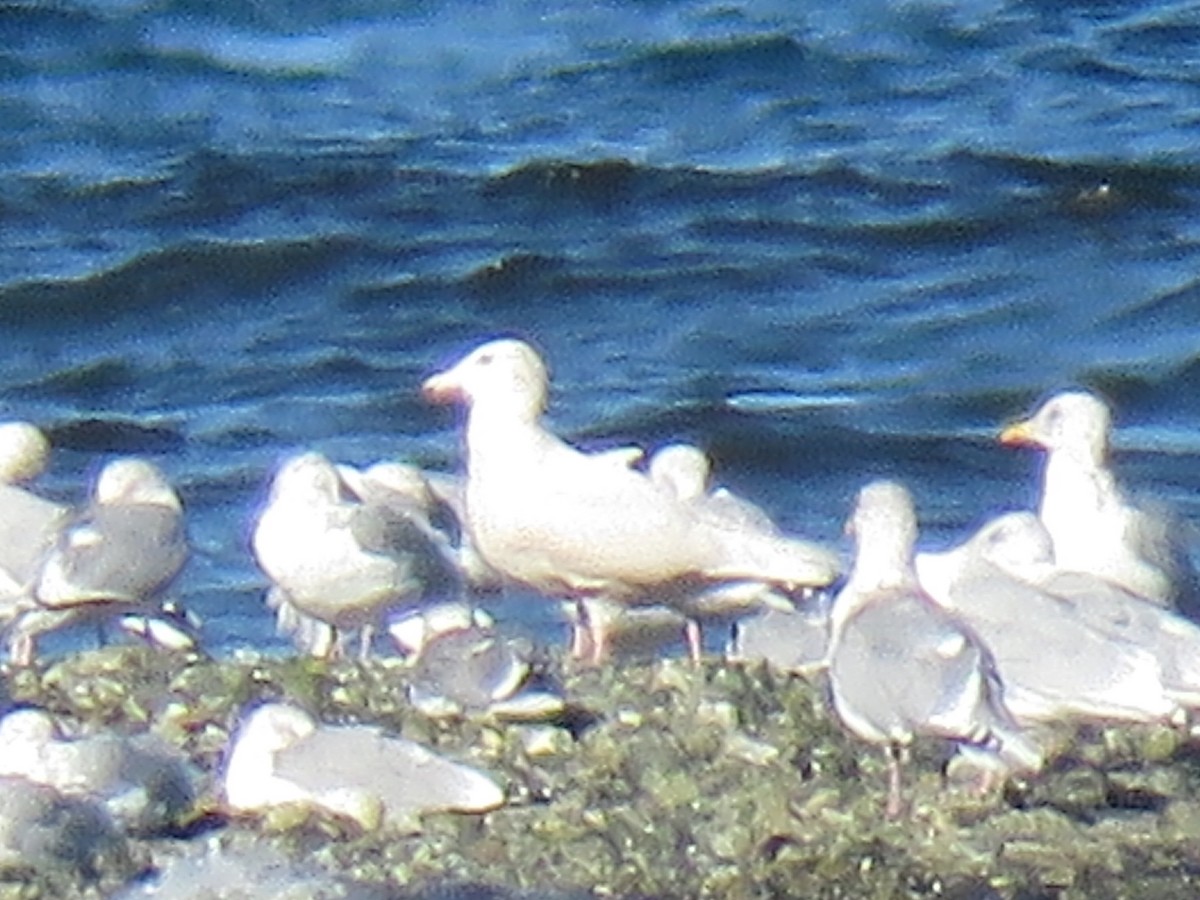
(1122, 655)
(117, 555)
(899, 666)
(29, 523)
(281, 755)
(1093, 527)
(1056, 661)
(343, 548)
(573, 525)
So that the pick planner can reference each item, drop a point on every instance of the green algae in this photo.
(666, 780)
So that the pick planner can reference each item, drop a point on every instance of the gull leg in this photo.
(366, 635)
(693, 636)
(22, 648)
(895, 803)
(580, 647)
(599, 639)
(323, 643)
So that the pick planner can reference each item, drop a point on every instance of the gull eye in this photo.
(486, 359)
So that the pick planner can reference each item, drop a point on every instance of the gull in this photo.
(461, 664)
(24, 452)
(29, 523)
(1018, 544)
(685, 471)
(281, 755)
(343, 548)
(580, 526)
(794, 640)
(450, 491)
(1053, 660)
(116, 555)
(145, 785)
(1093, 527)
(899, 665)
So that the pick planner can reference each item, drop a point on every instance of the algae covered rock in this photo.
(659, 779)
(55, 845)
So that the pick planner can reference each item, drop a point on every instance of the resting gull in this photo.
(900, 666)
(581, 526)
(281, 755)
(1053, 661)
(344, 547)
(462, 664)
(29, 524)
(147, 786)
(1093, 527)
(1018, 544)
(117, 555)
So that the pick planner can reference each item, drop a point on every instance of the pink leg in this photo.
(895, 803)
(599, 639)
(694, 638)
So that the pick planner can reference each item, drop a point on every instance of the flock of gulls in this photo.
(1069, 613)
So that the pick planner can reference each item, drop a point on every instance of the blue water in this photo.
(827, 243)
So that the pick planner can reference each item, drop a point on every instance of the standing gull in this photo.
(686, 472)
(117, 555)
(1093, 527)
(573, 525)
(342, 548)
(899, 666)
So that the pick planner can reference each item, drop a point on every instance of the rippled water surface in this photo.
(825, 243)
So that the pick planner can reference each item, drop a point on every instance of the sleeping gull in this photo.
(900, 666)
(794, 640)
(29, 524)
(146, 785)
(1052, 660)
(462, 664)
(581, 526)
(1019, 544)
(117, 555)
(1093, 527)
(343, 548)
(280, 755)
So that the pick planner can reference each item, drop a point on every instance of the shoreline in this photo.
(660, 780)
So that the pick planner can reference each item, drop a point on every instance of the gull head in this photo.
(24, 452)
(884, 511)
(1076, 423)
(389, 480)
(1015, 542)
(307, 476)
(506, 376)
(134, 481)
(884, 527)
(682, 468)
(274, 727)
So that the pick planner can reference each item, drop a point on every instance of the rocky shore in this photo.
(659, 780)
